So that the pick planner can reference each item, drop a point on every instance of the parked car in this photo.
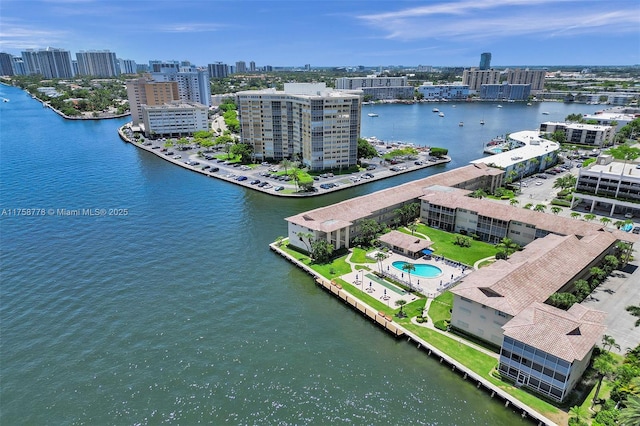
(636, 230)
(255, 182)
(628, 215)
(241, 178)
(278, 188)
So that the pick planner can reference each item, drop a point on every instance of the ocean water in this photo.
(169, 308)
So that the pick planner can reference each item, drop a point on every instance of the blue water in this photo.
(176, 312)
(421, 269)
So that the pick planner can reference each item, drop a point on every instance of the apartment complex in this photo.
(485, 61)
(436, 92)
(309, 122)
(97, 63)
(193, 82)
(475, 78)
(143, 91)
(609, 186)
(535, 78)
(505, 91)
(543, 348)
(376, 88)
(128, 66)
(174, 119)
(218, 70)
(50, 62)
(583, 134)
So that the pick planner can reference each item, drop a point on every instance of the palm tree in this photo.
(540, 208)
(401, 303)
(635, 311)
(412, 227)
(578, 413)
(295, 175)
(514, 202)
(380, 257)
(508, 246)
(528, 206)
(305, 235)
(555, 209)
(603, 364)
(408, 268)
(609, 342)
(605, 221)
(630, 414)
(618, 224)
(575, 215)
(589, 217)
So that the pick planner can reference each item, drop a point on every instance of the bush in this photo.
(441, 325)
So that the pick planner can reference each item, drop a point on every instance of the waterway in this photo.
(164, 305)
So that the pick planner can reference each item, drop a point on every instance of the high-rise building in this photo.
(475, 78)
(252, 66)
(533, 77)
(193, 83)
(218, 70)
(143, 91)
(176, 118)
(97, 63)
(127, 66)
(19, 68)
(50, 62)
(241, 67)
(306, 121)
(485, 61)
(6, 64)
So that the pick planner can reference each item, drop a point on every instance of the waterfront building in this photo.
(50, 62)
(97, 63)
(582, 134)
(193, 82)
(436, 92)
(528, 154)
(19, 67)
(143, 91)
(505, 91)
(6, 64)
(609, 186)
(309, 122)
(535, 78)
(174, 119)
(485, 61)
(542, 347)
(378, 88)
(618, 116)
(475, 78)
(218, 70)
(340, 223)
(127, 66)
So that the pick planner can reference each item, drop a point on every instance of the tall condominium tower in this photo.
(6, 64)
(241, 67)
(143, 91)
(306, 122)
(50, 62)
(98, 63)
(485, 61)
(193, 83)
(218, 70)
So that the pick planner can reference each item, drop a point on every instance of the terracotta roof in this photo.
(405, 241)
(532, 275)
(569, 335)
(348, 211)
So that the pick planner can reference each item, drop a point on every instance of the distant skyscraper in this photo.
(98, 63)
(241, 67)
(6, 64)
(252, 66)
(485, 61)
(19, 67)
(127, 66)
(193, 83)
(218, 70)
(49, 62)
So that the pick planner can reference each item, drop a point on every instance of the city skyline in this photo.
(333, 33)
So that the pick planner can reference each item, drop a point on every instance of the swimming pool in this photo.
(422, 269)
(627, 227)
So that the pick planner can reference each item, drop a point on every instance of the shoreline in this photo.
(227, 174)
(397, 330)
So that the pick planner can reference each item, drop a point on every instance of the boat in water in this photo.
(372, 114)
(435, 110)
(441, 114)
(461, 123)
(5, 100)
(482, 122)
(499, 106)
(545, 113)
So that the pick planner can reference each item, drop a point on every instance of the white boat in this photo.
(482, 122)
(499, 106)
(545, 113)
(5, 100)
(441, 114)
(461, 124)
(435, 110)
(372, 114)
(529, 104)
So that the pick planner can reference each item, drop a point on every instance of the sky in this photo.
(323, 33)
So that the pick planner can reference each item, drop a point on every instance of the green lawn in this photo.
(441, 306)
(443, 245)
(360, 256)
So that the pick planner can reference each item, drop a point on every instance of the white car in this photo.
(177, 157)
(628, 215)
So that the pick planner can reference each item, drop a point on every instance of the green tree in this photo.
(508, 246)
(630, 414)
(401, 303)
(609, 343)
(575, 215)
(478, 193)
(624, 152)
(540, 208)
(603, 364)
(577, 415)
(605, 220)
(380, 257)
(528, 206)
(589, 217)
(365, 149)
(408, 268)
(306, 238)
(242, 150)
(321, 251)
(295, 175)
(556, 210)
(583, 289)
(635, 311)
(369, 230)
(514, 202)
